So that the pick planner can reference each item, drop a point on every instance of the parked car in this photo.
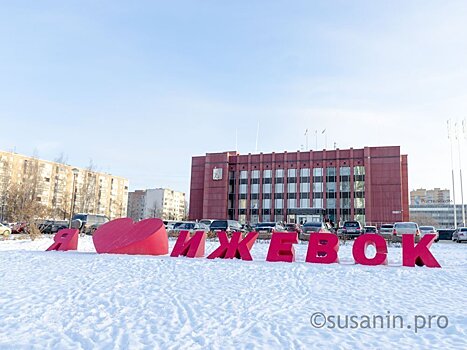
(386, 230)
(403, 228)
(429, 229)
(192, 226)
(351, 229)
(88, 223)
(20, 227)
(309, 228)
(207, 222)
(169, 224)
(267, 229)
(59, 225)
(45, 226)
(5, 231)
(460, 235)
(226, 225)
(291, 227)
(370, 229)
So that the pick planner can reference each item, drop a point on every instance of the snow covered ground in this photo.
(82, 300)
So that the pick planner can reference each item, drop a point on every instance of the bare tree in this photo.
(423, 219)
(155, 211)
(86, 191)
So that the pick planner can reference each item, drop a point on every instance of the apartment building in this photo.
(161, 203)
(424, 196)
(51, 184)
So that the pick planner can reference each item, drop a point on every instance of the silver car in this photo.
(386, 230)
(405, 228)
(429, 229)
(460, 235)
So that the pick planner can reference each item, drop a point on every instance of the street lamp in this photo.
(73, 194)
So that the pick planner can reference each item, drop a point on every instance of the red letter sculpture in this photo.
(191, 247)
(359, 249)
(235, 248)
(323, 248)
(281, 247)
(122, 236)
(66, 239)
(418, 254)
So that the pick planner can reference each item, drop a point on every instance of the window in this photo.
(304, 172)
(242, 204)
(317, 171)
(267, 196)
(267, 188)
(359, 202)
(345, 186)
(254, 204)
(279, 173)
(345, 171)
(345, 203)
(318, 187)
(255, 188)
(279, 203)
(267, 174)
(317, 203)
(330, 187)
(359, 186)
(304, 203)
(266, 204)
(255, 174)
(243, 188)
(292, 173)
(291, 187)
(291, 203)
(279, 188)
(330, 203)
(243, 174)
(304, 187)
(359, 170)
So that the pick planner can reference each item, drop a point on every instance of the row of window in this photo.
(331, 203)
(304, 172)
(304, 187)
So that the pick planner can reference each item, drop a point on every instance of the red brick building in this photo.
(369, 185)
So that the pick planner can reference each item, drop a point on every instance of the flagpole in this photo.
(453, 185)
(460, 169)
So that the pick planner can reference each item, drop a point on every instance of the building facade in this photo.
(157, 203)
(437, 214)
(436, 195)
(51, 185)
(369, 185)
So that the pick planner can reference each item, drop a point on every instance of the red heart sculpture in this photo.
(123, 236)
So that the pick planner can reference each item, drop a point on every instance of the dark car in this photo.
(291, 227)
(370, 229)
(58, 225)
(309, 228)
(45, 226)
(88, 223)
(226, 225)
(351, 229)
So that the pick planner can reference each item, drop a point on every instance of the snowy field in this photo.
(82, 300)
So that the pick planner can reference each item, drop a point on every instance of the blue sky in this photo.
(140, 87)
